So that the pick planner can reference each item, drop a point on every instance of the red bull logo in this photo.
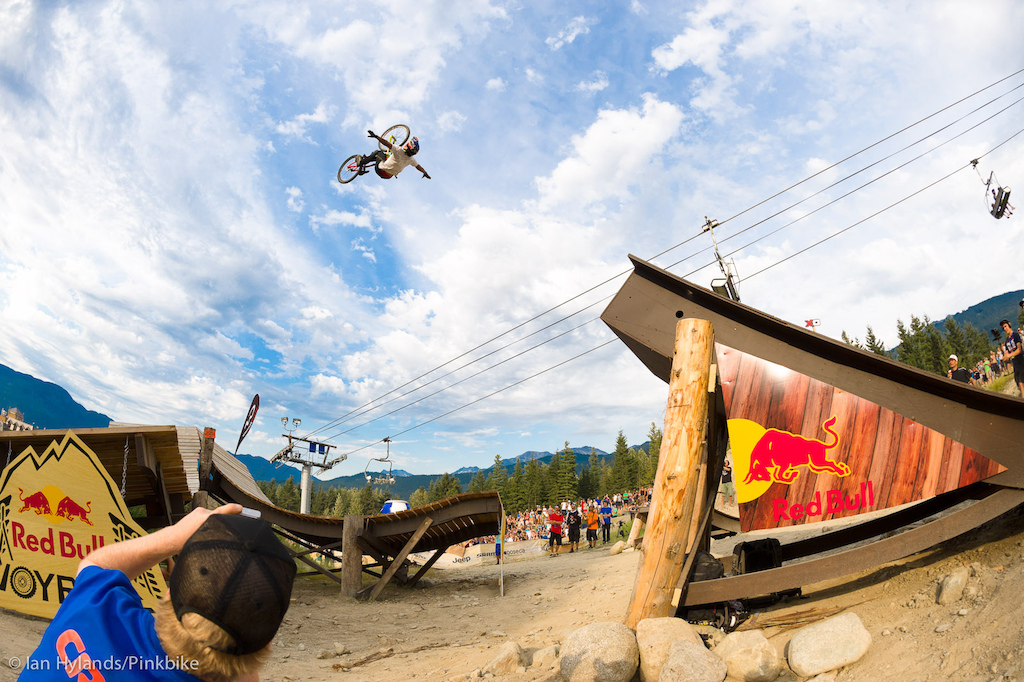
(36, 502)
(777, 456)
(762, 457)
(66, 508)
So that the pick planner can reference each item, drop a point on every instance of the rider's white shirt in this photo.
(397, 162)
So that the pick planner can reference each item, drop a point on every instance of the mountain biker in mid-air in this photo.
(386, 166)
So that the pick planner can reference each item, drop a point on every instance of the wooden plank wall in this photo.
(904, 461)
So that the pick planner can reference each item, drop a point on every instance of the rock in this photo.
(302, 647)
(951, 587)
(750, 656)
(687, 661)
(617, 548)
(828, 645)
(599, 652)
(325, 653)
(654, 636)
(545, 658)
(510, 657)
(340, 649)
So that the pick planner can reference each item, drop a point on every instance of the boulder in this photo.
(654, 636)
(689, 662)
(545, 658)
(510, 658)
(617, 547)
(951, 587)
(828, 645)
(750, 656)
(599, 652)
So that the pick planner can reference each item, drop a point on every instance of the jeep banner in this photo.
(55, 508)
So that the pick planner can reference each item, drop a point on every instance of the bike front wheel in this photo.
(396, 135)
(350, 169)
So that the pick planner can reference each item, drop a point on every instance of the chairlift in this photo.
(997, 197)
(381, 478)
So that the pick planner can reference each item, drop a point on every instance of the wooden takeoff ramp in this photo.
(819, 430)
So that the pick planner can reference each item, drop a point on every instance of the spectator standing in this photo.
(606, 521)
(572, 523)
(728, 486)
(961, 374)
(555, 533)
(1013, 355)
(593, 521)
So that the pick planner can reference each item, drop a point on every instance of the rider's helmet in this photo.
(411, 147)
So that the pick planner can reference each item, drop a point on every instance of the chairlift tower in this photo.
(317, 457)
(727, 286)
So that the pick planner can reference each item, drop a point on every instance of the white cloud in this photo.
(295, 202)
(496, 84)
(332, 217)
(450, 121)
(577, 27)
(598, 82)
(297, 126)
(612, 154)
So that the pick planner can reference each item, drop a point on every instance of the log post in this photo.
(675, 484)
(351, 556)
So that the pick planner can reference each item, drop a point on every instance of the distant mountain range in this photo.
(985, 316)
(45, 405)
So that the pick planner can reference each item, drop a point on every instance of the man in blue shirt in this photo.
(606, 520)
(226, 597)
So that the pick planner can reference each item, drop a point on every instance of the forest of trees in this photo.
(925, 346)
(529, 484)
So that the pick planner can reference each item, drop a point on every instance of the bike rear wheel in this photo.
(349, 169)
(400, 133)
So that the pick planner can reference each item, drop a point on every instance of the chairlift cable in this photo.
(366, 406)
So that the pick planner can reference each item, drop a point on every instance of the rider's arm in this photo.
(420, 169)
(380, 139)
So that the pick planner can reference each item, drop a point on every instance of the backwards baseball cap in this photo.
(234, 572)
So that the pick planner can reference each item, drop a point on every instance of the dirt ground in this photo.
(455, 624)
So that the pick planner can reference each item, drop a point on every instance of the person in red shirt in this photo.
(555, 534)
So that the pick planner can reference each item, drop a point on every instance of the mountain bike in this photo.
(352, 167)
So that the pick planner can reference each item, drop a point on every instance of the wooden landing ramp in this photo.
(388, 538)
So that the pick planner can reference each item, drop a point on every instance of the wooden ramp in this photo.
(978, 431)
(388, 538)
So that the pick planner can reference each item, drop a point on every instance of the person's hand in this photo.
(372, 134)
(425, 175)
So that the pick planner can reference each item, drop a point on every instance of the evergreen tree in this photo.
(342, 502)
(851, 340)
(514, 498)
(419, 497)
(874, 344)
(478, 483)
(650, 465)
(288, 495)
(623, 472)
(498, 477)
(368, 501)
(552, 472)
(534, 488)
(568, 483)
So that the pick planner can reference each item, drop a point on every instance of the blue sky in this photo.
(173, 240)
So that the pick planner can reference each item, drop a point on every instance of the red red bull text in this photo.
(64, 544)
(777, 454)
(834, 501)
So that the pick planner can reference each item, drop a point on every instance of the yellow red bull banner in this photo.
(55, 508)
(804, 451)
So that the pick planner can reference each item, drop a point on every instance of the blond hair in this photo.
(195, 638)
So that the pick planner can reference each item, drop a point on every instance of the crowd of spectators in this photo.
(535, 524)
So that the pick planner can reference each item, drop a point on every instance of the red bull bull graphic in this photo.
(56, 508)
(778, 454)
(805, 451)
